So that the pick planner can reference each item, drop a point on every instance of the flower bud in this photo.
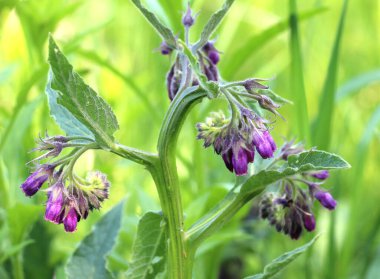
(211, 52)
(264, 143)
(188, 19)
(326, 199)
(252, 84)
(34, 182)
(54, 206)
(308, 221)
(321, 175)
(71, 220)
(165, 48)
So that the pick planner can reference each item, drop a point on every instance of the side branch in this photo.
(138, 156)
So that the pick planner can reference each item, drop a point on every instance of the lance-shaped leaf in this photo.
(148, 258)
(283, 261)
(164, 31)
(88, 260)
(305, 161)
(76, 107)
(213, 23)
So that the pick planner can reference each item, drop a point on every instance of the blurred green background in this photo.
(333, 80)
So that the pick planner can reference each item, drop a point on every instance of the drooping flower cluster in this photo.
(237, 140)
(290, 209)
(69, 198)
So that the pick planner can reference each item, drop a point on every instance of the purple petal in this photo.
(321, 175)
(309, 221)
(240, 162)
(269, 138)
(34, 182)
(265, 150)
(213, 55)
(326, 199)
(71, 220)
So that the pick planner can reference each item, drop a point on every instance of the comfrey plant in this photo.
(293, 173)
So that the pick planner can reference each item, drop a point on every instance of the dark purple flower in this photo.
(326, 199)
(264, 143)
(309, 221)
(211, 52)
(213, 55)
(235, 153)
(321, 175)
(188, 19)
(54, 206)
(34, 182)
(71, 219)
(165, 48)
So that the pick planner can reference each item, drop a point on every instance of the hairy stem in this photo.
(218, 216)
(165, 175)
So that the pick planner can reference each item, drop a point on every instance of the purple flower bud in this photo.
(213, 55)
(54, 206)
(326, 199)
(187, 18)
(240, 162)
(321, 175)
(269, 138)
(165, 48)
(264, 143)
(211, 52)
(251, 84)
(34, 182)
(308, 221)
(71, 220)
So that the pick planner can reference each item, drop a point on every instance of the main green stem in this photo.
(164, 172)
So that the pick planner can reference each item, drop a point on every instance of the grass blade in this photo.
(353, 85)
(297, 79)
(323, 125)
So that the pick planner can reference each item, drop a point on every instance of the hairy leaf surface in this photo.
(149, 249)
(88, 261)
(76, 107)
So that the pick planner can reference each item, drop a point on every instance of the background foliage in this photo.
(114, 49)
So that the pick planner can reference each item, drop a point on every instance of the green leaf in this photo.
(305, 161)
(242, 54)
(357, 83)
(164, 31)
(76, 107)
(211, 87)
(283, 261)
(297, 80)
(88, 261)
(212, 24)
(316, 159)
(149, 248)
(323, 124)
